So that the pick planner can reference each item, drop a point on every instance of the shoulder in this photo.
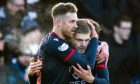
(53, 42)
(58, 44)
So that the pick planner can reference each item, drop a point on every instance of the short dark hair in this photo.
(63, 8)
(84, 27)
(118, 19)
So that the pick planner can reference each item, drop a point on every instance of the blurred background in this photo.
(23, 23)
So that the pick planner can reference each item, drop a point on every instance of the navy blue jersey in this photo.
(57, 56)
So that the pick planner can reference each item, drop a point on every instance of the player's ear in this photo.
(58, 22)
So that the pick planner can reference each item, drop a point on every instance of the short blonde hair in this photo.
(63, 8)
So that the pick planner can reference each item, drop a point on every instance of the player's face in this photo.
(69, 24)
(81, 41)
(124, 30)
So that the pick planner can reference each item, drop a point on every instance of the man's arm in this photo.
(88, 58)
(65, 53)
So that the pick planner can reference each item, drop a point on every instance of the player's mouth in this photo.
(73, 31)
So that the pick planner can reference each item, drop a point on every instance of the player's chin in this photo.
(81, 50)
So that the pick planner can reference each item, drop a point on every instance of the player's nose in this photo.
(75, 25)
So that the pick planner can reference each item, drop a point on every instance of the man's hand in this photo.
(34, 67)
(93, 31)
(103, 53)
(84, 74)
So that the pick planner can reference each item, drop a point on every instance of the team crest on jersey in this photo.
(63, 47)
(55, 39)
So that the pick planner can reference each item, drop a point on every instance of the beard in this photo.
(72, 43)
(67, 35)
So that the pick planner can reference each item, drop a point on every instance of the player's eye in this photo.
(79, 40)
(72, 21)
(87, 40)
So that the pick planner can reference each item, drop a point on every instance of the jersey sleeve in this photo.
(103, 77)
(65, 53)
(102, 74)
(42, 49)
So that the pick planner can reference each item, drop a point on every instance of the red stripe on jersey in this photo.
(55, 34)
(101, 66)
(69, 56)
